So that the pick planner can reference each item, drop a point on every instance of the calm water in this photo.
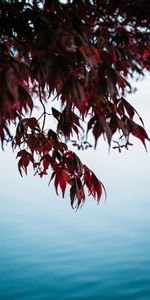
(48, 251)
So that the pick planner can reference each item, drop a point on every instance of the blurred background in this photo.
(49, 251)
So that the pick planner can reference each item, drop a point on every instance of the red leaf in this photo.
(32, 123)
(24, 161)
(139, 132)
(56, 113)
(93, 184)
(46, 162)
(62, 177)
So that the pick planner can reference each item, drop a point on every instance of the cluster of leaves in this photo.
(83, 52)
(46, 150)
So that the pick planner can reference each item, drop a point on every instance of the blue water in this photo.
(48, 251)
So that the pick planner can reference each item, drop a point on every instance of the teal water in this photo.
(96, 253)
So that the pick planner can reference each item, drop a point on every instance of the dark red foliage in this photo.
(81, 53)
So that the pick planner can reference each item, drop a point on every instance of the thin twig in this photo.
(44, 109)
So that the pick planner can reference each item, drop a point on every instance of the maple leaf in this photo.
(24, 161)
(61, 178)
